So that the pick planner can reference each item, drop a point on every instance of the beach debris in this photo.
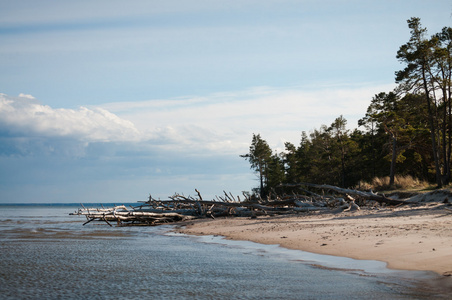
(366, 195)
(124, 216)
(180, 208)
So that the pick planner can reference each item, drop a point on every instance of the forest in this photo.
(405, 132)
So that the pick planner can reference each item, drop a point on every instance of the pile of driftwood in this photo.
(181, 208)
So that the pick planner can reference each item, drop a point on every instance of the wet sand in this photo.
(414, 238)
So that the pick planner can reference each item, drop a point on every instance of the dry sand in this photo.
(414, 238)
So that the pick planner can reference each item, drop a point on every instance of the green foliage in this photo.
(260, 159)
(428, 73)
(406, 133)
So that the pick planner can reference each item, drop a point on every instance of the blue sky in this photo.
(109, 101)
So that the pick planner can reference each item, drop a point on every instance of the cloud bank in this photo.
(28, 127)
(24, 115)
(225, 121)
(209, 125)
(123, 151)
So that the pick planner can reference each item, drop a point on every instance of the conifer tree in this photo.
(259, 157)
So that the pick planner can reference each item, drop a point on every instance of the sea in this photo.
(48, 254)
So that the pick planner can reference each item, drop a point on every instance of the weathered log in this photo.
(368, 196)
(309, 208)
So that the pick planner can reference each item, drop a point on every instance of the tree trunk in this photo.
(449, 127)
(439, 181)
(393, 161)
(261, 178)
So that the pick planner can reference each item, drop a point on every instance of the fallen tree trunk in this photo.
(366, 195)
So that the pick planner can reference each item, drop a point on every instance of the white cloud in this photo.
(225, 121)
(169, 145)
(216, 124)
(21, 95)
(25, 116)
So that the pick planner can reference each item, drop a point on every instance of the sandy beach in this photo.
(407, 238)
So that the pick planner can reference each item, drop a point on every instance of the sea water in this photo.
(47, 254)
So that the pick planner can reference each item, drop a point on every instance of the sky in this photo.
(110, 101)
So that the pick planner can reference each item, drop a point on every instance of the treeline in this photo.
(407, 131)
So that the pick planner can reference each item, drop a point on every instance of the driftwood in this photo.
(123, 216)
(365, 195)
(182, 208)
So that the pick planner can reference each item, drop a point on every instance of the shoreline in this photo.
(416, 239)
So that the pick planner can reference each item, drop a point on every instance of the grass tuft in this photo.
(400, 182)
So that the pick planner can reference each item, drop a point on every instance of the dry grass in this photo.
(400, 182)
